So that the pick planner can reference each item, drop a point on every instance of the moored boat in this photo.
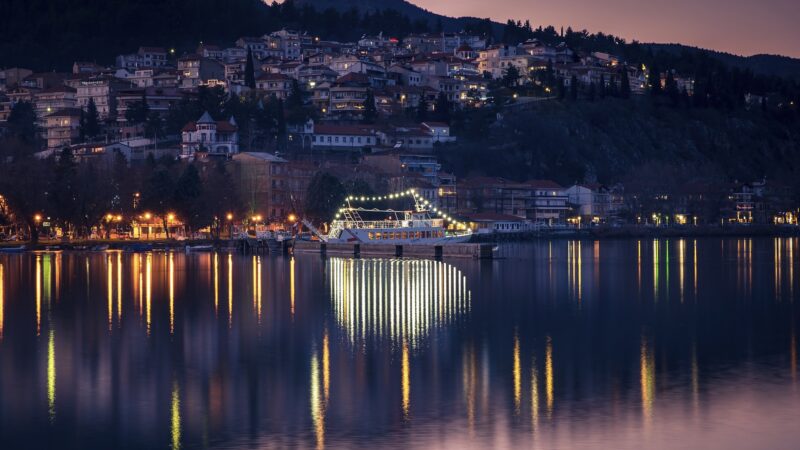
(424, 224)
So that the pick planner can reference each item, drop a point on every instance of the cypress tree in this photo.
(249, 71)
(625, 84)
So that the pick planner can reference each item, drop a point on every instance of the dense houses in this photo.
(385, 144)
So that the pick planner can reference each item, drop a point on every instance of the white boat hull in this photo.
(398, 237)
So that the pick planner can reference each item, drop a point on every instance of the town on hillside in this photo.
(289, 119)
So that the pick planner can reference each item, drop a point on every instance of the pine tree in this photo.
(249, 71)
(370, 112)
(442, 108)
(672, 88)
(91, 123)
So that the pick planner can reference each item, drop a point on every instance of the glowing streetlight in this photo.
(148, 216)
(229, 216)
(292, 218)
(37, 218)
(170, 217)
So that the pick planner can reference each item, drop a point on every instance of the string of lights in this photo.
(397, 195)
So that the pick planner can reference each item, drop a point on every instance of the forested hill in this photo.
(613, 140)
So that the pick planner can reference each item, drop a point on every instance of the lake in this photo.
(665, 343)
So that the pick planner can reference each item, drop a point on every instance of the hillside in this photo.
(611, 140)
(777, 65)
(404, 7)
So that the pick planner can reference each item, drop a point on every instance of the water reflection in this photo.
(398, 300)
(229, 351)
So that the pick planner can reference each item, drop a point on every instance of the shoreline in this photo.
(744, 231)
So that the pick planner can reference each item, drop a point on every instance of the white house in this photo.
(220, 138)
(343, 136)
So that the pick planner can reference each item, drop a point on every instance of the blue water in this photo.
(556, 344)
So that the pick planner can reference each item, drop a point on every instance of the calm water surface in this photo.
(564, 344)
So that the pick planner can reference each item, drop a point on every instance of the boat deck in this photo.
(460, 250)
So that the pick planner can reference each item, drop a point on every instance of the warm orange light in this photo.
(118, 218)
(170, 217)
(37, 218)
(148, 216)
(229, 216)
(292, 218)
(109, 217)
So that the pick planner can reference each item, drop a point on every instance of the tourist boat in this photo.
(424, 224)
(19, 249)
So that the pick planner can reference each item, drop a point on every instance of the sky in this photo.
(742, 27)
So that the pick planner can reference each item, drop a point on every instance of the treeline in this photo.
(51, 34)
(77, 196)
(716, 83)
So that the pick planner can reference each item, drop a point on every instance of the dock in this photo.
(358, 250)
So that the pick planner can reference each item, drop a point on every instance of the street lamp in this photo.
(292, 218)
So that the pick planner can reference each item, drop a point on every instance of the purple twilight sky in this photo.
(743, 27)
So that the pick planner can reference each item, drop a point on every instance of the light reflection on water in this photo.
(624, 344)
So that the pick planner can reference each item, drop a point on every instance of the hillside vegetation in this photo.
(613, 140)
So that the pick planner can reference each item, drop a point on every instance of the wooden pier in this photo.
(466, 250)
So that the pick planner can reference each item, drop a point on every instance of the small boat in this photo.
(199, 248)
(19, 249)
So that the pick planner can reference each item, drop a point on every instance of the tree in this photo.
(602, 87)
(592, 93)
(296, 112)
(654, 80)
(672, 88)
(221, 197)
(510, 76)
(442, 108)
(324, 197)
(188, 199)
(422, 109)
(138, 111)
(249, 71)
(573, 88)
(624, 84)
(24, 184)
(63, 189)
(370, 111)
(154, 126)
(91, 121)
(157, 194)
(562, 89)
(22, 122)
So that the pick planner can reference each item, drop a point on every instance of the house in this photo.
(216, 138)
(159, 100)
(541, 201)
(62, 127)
(439, 131)
(345, 137)
(144, 57)
(103, 91)
(54, 99)
(196, 70)
(272, 187)
(591, 202)
(347, 95)
(487, 222)
(276, 84)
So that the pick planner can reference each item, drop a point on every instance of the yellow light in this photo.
(37, 218)
(148, 216)
(292, 218)
(170, 217)
(118, 218)
(229, 216)
(109, 217)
